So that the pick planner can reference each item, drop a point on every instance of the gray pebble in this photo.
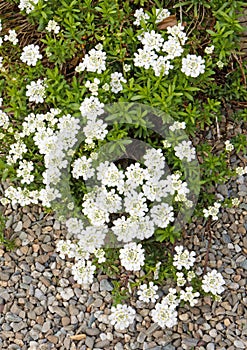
(239, 344)
(10, 317)
(141, 337)
(18, 326)
(89, 342)
(106, 285)
(92, 331)
(119, 346)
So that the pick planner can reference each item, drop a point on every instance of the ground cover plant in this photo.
(106, 114)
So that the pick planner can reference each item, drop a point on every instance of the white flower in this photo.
(53, 26)
(95, 130)
(241, 170)
(27, 5)
(36, 91)
(229, 146)
(220, 64)
(132, 256)
(213, 282)
(82, 167)
(162, 214)
(122, 316)
(193, 65)
(125, 229)
(4, 120)
(94, 61)
(100, 255)
(212, 210)
(12, 37)
(148, 293)
(235, 202)
(177, 33)
(184, 150)
(24, 171)
(135, 204)
(209, 49)
(140, 16)
(109, 174)
(135, 175)
(145, 58)
(183, 258)
(65, 248)
(180, 279)
(191, 275)
(164, 315)
(161, 14)
(171, 298)
(83, 271)
(189, 296)
(91, 108)
(93, 86)
(173, 48)
(116, 79)
(151, 40)
(162, 66)
(30, 55)
(177, 126)
(74, 226)
(127, 67)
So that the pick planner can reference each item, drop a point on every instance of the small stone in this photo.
(106, 285)
(89, 342)
(52, 338)
(39, 294)
(18, 326)
(183, 317)
(46, 327)
(152, 328)
(119, 346)
(210, 346)
(141, 337)
(190, 342)
(65, 321)
(103, 344)
(213, 333)
(226, 238)
(239, 344)
(10, 317)
(169, 347)
(92, 331)
(18, 227)
(243, 264)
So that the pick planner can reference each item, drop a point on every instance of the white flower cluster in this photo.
(53, 26)
(27, 5)
(132, 256)
(53, 138)
(24, 171)
(36, 91)
(12, 37)
(91, 108)
(157, 53)
(183, 258)
(193, 65)
(94, 61)
(213, 283)
(148, 293)
(30, 55)
(116, 79)
(4, 120)
(128, 193)
(241, 170)
(212, 210)
(122, 316)
(229, 146)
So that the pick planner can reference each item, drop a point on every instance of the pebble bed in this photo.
(41, 306)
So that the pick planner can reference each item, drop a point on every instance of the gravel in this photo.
(42, 307)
